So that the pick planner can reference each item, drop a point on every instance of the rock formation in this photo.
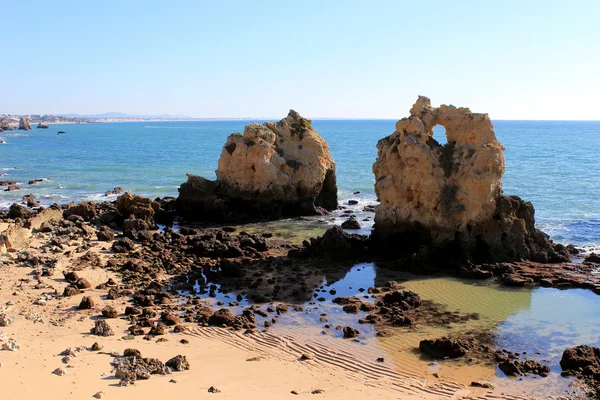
(41, 125)
(5, 124)
(271, 171)
(450, 196)
(24, 124)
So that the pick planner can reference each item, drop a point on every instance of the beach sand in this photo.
(251, 366)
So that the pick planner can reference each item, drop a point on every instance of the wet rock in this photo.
(579, 358)
(101, 328)
(444, 347)
(116, 190)
(221, 317)
(350, 332)
(335, 244)
(351, 223)
(178, 363)
(405, 299)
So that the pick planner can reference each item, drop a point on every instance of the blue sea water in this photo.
(553, 164)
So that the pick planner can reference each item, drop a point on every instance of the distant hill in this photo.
(115, 115)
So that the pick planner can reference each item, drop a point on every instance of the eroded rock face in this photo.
(270, 171)
(24, 124)
(448, 199)
(441, 188)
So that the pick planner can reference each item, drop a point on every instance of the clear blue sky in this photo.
(359, 59)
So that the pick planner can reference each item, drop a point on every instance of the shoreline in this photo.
(352, 376)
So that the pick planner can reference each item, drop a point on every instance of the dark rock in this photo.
(142, 208)
(222, 317)
(592, 258)
(86, 303)
(110, 312)
(350, 332)
(105, 234)
(580, 357)
(101, 328)
(86, 210)
(158, 329)
(444, 347)
(18, 211)
(351, 223)
(71, 290)
(132, 353)
(123, 246)
(41, 125)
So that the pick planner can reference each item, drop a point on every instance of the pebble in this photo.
(99, 395)
(59, 372)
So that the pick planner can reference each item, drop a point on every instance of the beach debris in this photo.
(5, 320)
(101, 328)
(59, 372)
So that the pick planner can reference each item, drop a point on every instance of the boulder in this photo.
(5, 124)
(142, 208)
(47, 215)
(86, 210)
(41, 125)
(18, 211)
(271, 171)
(24, 124)
(579, 358)
(449, 197)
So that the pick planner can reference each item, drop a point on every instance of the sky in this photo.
(325, 59)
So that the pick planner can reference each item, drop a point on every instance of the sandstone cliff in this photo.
(450, 197)
(24, 124)
(270, 171)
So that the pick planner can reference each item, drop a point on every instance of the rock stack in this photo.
(448, 198)
(270, 171)
(24, 124)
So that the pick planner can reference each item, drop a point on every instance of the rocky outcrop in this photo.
(140, 207)
(24, 124)
(41, 125)
(271, 171)
(5, 124)
(448, 198)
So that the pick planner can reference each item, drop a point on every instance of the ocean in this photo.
(553, 164)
